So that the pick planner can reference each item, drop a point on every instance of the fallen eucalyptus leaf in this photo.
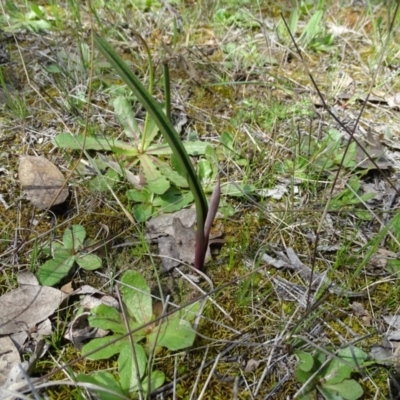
(42, 182)
(8, 358)
(27, 306)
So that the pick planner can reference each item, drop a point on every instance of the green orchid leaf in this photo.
(349, 389)
(174, 334)
(74, 237)
(129, 375)
(155, 181)
(68, 141)
(109, 388)
(108, 350)
(89, 262)
(157, 379)
(53, 271)
(169, 133)
(103, 183)
(136, 295)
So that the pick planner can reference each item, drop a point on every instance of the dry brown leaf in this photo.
(42, 181)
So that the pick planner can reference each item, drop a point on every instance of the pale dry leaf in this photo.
(67, 288)
(9, 357)
(27, 306)
(79, 331)
(27, 278)
(360, 312)
(89, 302)
(42, 182)
(163, 224)
(251, 366)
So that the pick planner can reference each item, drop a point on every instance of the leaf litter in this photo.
(24, 316)
(42, 182)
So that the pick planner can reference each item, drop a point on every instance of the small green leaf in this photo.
(239, 190)
(349, 389)
(138, 302)
(177, 179)
(142, 212)
(188, 313)
(306, 360)
(106, 317)
(204, 170)
(127, 367)
(157, 379)
(173, 200)
(103, 183)
(108, 349)
(68, 141)
(150, 134)
(155, 181)
(174, 334)
(336, 371)
(105, 380)
(124, 113)
(140, 196)
(89, 262)
(353, 355)
(53, 271)
(74, 237)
